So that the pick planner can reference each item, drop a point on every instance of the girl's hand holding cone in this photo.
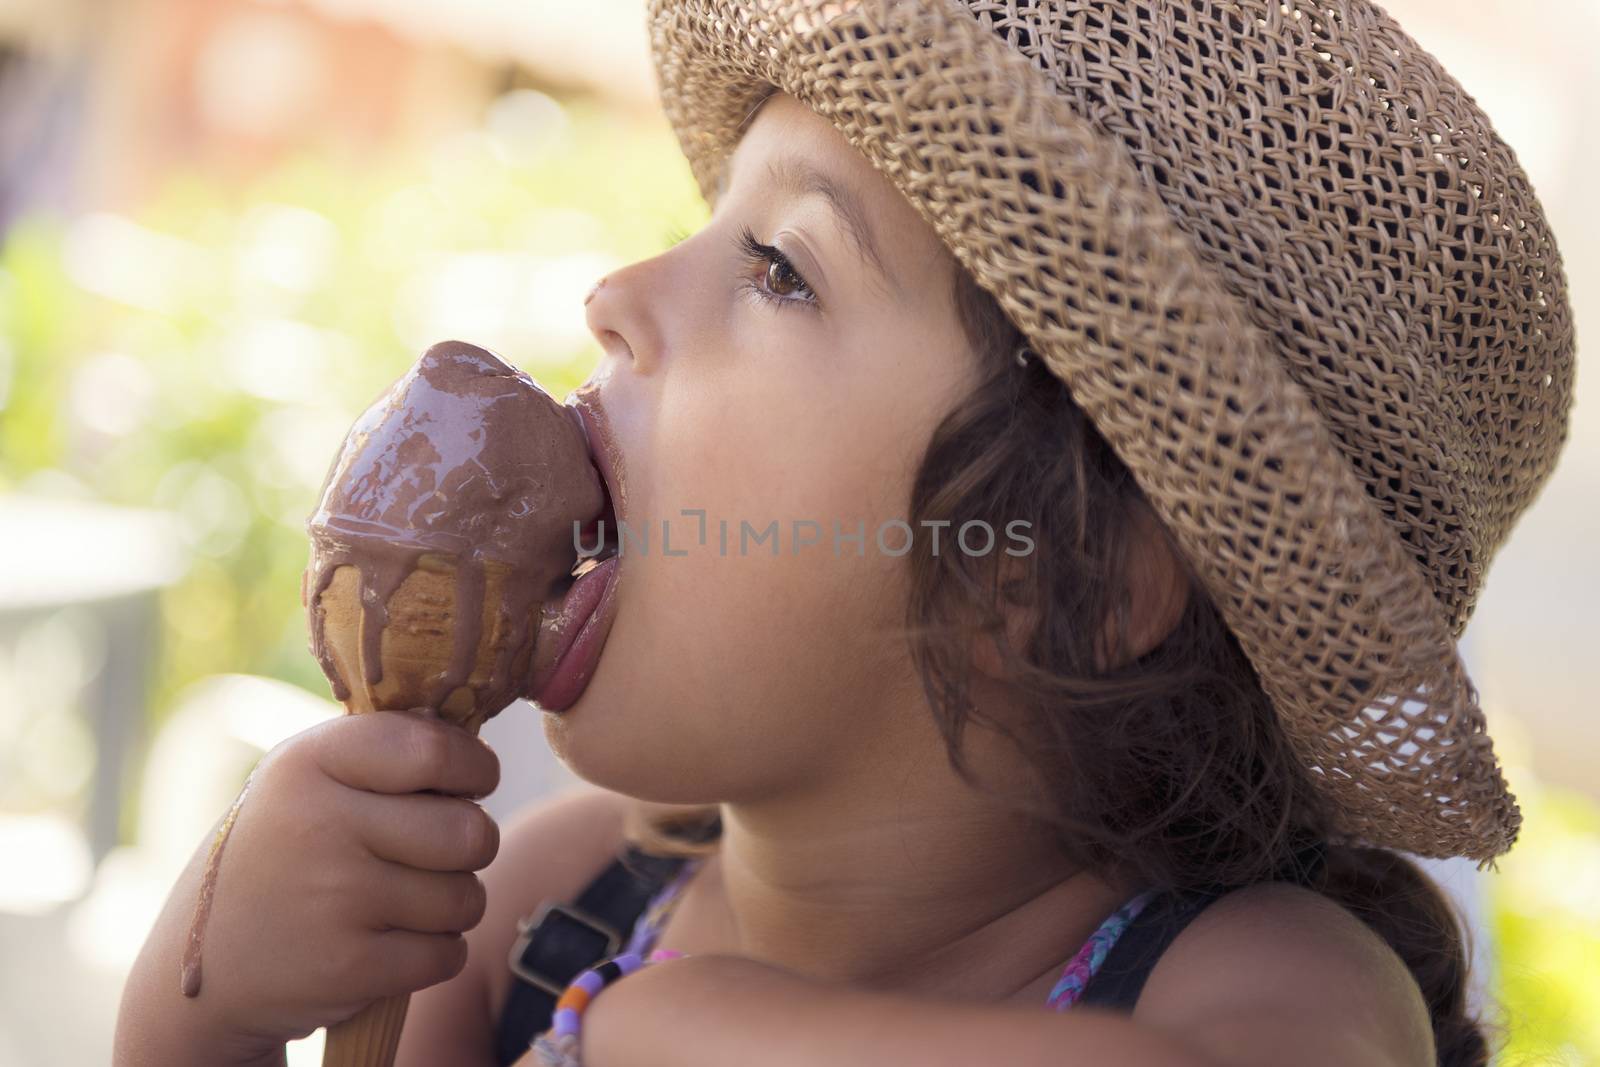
(348, 879)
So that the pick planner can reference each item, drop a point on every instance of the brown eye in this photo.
(779, 284)
(781, 280)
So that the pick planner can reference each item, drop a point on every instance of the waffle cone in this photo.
(416, 647)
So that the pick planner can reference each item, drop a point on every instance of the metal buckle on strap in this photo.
(527, 927)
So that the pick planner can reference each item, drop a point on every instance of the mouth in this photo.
(598, 539)
(576, 620)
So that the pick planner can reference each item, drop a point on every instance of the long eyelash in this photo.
(755, 252)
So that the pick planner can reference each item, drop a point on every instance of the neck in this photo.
(904, 878)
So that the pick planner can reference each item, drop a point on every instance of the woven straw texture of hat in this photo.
(1281, 259)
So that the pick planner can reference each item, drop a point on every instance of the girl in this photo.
(1079, 434)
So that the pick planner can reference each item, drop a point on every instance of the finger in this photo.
(404, 961)
(433, 833)
(406, 752)
(430, 902)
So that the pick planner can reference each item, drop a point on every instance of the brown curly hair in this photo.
(1168, 767)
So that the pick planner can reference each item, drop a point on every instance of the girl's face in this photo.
(785, 365)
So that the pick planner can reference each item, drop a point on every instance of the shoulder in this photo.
(1268, 973)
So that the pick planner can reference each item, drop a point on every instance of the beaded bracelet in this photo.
(558, 1046)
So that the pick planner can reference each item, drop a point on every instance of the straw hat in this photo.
(1284, 263)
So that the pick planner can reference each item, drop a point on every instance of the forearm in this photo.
(734, 1012)
(156, 1023)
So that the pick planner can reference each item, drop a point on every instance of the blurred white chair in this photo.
(80, 586)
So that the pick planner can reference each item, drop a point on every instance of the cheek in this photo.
(729, 649)
(729, 670)
(784, 626)
(726, 676)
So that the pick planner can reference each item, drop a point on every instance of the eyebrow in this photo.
(799, 178)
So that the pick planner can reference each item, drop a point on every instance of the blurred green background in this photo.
(227, 226)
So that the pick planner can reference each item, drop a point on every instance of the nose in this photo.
(619, 316)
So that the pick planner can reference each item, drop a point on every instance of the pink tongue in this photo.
(560, 621)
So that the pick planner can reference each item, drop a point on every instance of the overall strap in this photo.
(558, 941)
(1121, 977)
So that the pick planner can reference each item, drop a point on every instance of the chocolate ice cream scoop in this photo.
(446, 520)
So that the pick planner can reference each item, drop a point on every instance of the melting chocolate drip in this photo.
(382, 566)
(189, 980)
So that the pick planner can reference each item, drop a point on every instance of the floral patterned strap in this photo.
(1075, 976)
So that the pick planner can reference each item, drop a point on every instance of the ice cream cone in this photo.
(418, 653)
(447, 519)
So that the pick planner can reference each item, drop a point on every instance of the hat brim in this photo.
(1327, 600)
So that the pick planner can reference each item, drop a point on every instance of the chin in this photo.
(608, 739)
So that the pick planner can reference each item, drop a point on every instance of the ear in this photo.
(1020, 622)
(1156, 592)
